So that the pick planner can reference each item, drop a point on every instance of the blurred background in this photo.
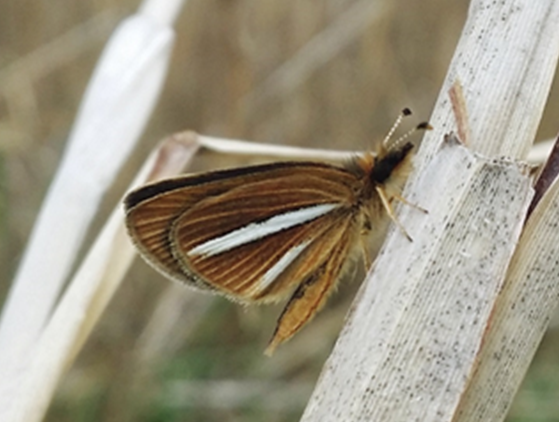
(321, 73)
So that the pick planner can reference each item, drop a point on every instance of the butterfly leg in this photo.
(408, 203)
(390, 211)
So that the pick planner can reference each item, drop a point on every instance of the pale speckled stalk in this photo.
(421, 338)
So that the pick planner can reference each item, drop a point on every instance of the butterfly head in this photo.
(386, 164)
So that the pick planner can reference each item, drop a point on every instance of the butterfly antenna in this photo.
(405, 112)
(421, 126)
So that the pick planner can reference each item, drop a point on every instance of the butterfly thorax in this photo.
(388, 168)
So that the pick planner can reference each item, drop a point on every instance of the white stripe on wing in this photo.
(256, 231)
(272, 273)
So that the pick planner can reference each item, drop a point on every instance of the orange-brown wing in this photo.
(245, 241)
(168, 218)
(331, 253)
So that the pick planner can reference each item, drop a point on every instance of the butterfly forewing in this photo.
(265, 269)
(243, 239)
(254, 203)
(149, 224)
(170, 219)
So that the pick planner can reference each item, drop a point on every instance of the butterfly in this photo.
(263, 233)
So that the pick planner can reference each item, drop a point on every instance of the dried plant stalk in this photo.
(428, 310)
(89, 293)
(104, 133)
(116, 106)
(418, 327)
(523, 310)
(233, 146)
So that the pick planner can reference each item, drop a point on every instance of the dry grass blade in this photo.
(540, 152)
(407, 343)
(413, 337)
(105, 132)
(118, 101)
(90, 291)
(524, 308)
(232, 146)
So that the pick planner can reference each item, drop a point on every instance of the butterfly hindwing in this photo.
(330, 254)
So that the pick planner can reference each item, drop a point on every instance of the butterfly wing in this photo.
(170, 219)
(313, 291)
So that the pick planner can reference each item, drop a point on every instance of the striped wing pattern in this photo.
(252, 234)
(152, 209)
(312, 293)
(240, 269)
